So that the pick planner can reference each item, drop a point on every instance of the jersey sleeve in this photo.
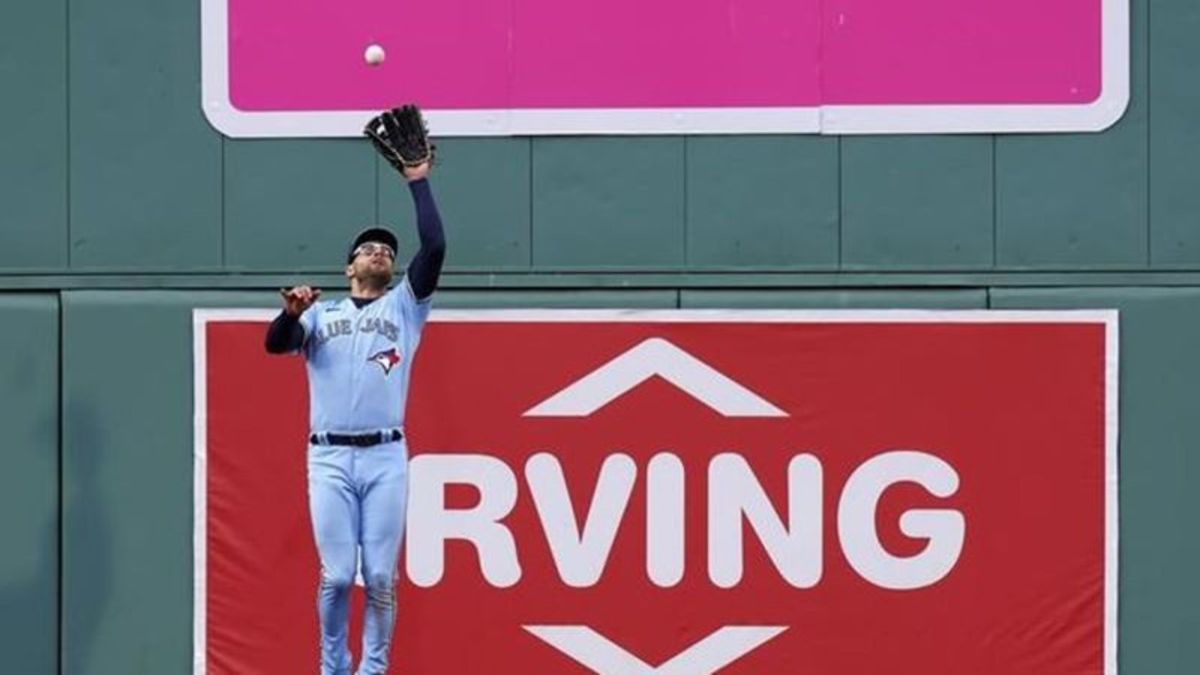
(308, 322)
(412, 312)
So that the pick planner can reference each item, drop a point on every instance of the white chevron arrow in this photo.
(593, 650)
(651, 357)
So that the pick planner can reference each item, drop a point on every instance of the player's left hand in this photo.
(298, 299)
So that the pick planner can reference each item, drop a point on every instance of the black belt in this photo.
(357, 440)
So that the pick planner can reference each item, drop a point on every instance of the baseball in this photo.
(374, 55)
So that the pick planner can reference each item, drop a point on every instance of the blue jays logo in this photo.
(386, 359)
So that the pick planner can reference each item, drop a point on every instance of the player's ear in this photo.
(349, 271)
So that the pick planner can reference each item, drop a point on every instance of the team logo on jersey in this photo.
(386, 359)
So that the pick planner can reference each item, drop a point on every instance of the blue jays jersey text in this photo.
(360, 360)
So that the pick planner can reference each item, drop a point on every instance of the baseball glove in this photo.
(400, 135)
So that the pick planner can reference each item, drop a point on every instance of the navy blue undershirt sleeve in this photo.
(285, 334)
(426, 265)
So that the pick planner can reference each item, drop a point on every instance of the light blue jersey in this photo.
(360, 360)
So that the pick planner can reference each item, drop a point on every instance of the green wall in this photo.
(109, 165)
(121, 210)
(29, 504)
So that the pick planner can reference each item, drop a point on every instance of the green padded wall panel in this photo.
(1174, 108)
(917, 202)
(293, 204)
(765, 201)
(145, 165)
(829, 299)
(29, 497)
(608, 202)
(33, 146)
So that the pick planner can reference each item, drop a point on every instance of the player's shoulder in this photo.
(405, 290)
(399, 290)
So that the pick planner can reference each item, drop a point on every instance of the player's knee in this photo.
(381, 589)
(381, 581)
(337, 579)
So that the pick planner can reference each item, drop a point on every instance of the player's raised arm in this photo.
(401, 137)
(426, 265)
(285, 334)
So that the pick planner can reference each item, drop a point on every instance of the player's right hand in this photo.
(415, 173)
(299, 298)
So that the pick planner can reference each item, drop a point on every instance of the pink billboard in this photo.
(492, 67)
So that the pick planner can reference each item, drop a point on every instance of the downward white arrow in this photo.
(605, 657)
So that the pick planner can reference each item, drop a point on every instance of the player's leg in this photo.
(384, 508)
(334, 508)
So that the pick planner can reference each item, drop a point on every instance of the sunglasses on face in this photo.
(371, 248)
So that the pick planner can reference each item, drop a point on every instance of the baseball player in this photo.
(359, 353)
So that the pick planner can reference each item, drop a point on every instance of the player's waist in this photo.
(360, 440)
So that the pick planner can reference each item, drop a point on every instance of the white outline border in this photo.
(200, 319)
(1109, 318)
(833, 119)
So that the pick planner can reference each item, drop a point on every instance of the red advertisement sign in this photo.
(687, 493)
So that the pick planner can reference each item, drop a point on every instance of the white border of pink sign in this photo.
(1096, 115)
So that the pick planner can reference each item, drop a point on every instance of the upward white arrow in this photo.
(655, 356)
